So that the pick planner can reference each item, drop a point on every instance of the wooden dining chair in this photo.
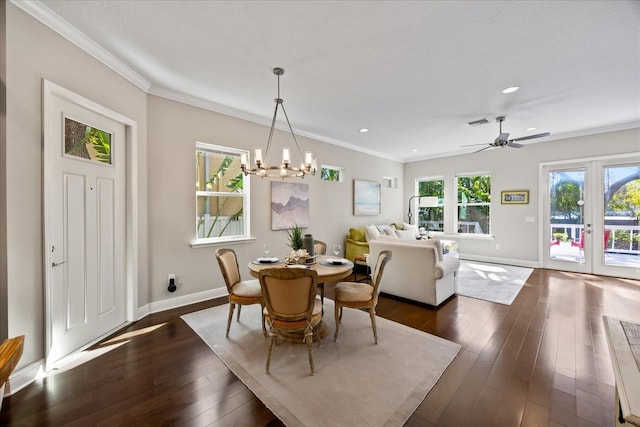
(291, 306)
(361, 295)
(319, 247)
(241, 292)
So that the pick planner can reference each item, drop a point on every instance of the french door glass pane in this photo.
(566, 194)
(621, 211)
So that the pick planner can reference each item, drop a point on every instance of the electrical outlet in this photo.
(171, 279)
(498, 247)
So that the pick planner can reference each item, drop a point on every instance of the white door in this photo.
(591, 214)
(84, 155)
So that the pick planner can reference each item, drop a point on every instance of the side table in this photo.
(361, 260)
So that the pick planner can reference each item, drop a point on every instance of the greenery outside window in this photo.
(474, 204)
(331, 173)
(222, 194)
(431, 218)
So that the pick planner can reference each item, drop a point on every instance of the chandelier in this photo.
(286, 169)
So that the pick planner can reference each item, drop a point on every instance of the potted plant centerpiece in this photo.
(298, 255)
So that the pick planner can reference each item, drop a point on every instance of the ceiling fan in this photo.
(503, 139)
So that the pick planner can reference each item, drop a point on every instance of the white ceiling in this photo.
(412, 72)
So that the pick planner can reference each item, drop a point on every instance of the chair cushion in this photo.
(353, 292)
(248, 289)
(316, 317)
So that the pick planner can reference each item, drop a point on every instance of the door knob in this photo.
(57, 264)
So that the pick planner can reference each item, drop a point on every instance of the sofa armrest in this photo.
(449, 264)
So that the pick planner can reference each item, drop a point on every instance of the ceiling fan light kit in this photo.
(503, 137)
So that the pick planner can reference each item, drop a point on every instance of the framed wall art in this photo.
(514, 197)
(289, 205)
(366, 197)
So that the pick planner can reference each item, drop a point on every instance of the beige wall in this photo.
(174, 129)
(34, 52)
(514, 169)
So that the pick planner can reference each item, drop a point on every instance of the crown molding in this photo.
(43, 14)
(254, 118)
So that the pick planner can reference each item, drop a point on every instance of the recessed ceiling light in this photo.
(415, 149)
(364, 130)
(532, 129)
(511, 89)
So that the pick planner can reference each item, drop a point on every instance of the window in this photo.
(222, 194)
(431, 208)
(331, 173)
(474, 204)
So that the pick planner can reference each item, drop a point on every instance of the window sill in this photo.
(218, 242)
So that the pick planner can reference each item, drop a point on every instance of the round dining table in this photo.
(327, 272)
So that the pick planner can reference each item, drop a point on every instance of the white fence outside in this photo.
(223, 224)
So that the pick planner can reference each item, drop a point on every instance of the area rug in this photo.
(491, 282)
(356, 382)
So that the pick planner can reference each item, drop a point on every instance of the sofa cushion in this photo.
(357, 234)
(406, 235)
(385, 237)
(412, 227)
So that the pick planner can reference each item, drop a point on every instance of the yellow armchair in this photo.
(355, 244)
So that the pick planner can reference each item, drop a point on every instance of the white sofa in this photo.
(418, 270)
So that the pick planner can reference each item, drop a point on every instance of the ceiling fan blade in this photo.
(514, 144)
(539, 135)
(474, 145)
(482, 149)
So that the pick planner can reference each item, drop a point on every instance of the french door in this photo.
(590, 216)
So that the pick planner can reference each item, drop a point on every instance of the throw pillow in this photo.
(412, 227)
(357, 234)
(384, 228)
(371, 233)
(406, 235)
(391, 232)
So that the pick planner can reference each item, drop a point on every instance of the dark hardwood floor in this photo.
(541, 361)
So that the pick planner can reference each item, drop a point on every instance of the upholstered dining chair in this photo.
(291, 306)
(319, 247)
(241, 292)
(361, 295)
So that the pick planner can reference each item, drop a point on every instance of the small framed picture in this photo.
(516, 197)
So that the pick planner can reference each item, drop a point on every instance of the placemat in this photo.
(632, 331)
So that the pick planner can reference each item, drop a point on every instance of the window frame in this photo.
(245, 195)
(441, 200)
(459, 204)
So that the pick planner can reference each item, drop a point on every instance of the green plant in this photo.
(295, 234)
(562, 237)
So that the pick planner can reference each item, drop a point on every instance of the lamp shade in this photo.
(428, 201)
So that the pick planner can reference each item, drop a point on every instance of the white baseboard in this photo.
(180, 301)
(23, 377)
(495, 260)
